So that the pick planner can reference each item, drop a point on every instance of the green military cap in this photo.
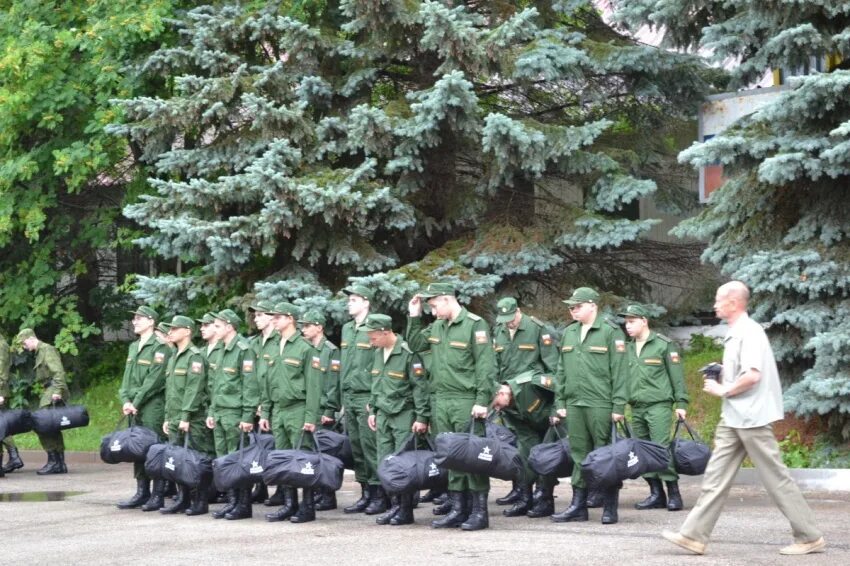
(313, 317)
(208, 318)
(506, 310)
(146, 311)
(162, 327)
(261, 306)
(638, 311)
(583, 295)
(26, 333)
(437, 290)
(286, 308)
(229, 317)
(375, 322)
(180, 321)
(361, 290)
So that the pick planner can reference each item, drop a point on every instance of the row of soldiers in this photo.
(385, 385)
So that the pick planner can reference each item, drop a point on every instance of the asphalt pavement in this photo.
(72, 519)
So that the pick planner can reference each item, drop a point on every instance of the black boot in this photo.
(15, 462)
(53, 466)
(674, 498)
(279, 498)
(157, 498)
(512, 496)
(594, 498)
(60, 455)
(306, 511)
(404, 516)
(395, 505)
(544, 506)
(327, 501)
(290, 505)
(441, 498)
(361, 504)
(429, 496)
(199, 500)
(260, 493)
(243, 509)
(377, 500)
(2, 473)
(170, 489)
(228, 507)
(143, 493)
(656, 498)
(458, 514)
(610, 506)
(443, 508)
(577, 511)
(522, 505)
(180, 504)
(479, 518)
(415, 499)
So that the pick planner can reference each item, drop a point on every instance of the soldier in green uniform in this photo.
(234, 398)
(266, 345)
(290, 403)
(523, 343)
(656, 385)
(592, 393)
(356, 385)
(313, 330)
(398, 405)
(50, 375)
(186, 407)
(210, 338)
(15, 462)
(463, 370)
(142, 394)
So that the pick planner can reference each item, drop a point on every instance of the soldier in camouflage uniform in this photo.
(15, 461)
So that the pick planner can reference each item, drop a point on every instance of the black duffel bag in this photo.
(244, 467)
(185, 466)
(690, 457)
(154, 460)
(498, 431)
(552, 458)
(15, 421)
(336, 444)
(410, 468)
(484, 455)
(624, 458)
(130, 444)
(303, 468)
(57, 418)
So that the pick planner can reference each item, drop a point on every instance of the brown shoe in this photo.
(805, 547)
(688, 544)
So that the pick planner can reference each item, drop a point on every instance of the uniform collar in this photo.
(460, 317)
(229, 347)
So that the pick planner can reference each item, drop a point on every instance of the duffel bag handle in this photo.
(553, 431)
(677, 432)
(186, 440)
(301, 439)
(627, 432)
(472, 421)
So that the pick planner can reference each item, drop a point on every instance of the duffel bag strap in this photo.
(693, 434)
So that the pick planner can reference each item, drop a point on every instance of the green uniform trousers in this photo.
(453, 414)
(654, 422)
(200, 438)
(527, 437)
(364, 447)
(590, 428)
(393, 430)
(226, 432)
(288, 425)
(150, 415)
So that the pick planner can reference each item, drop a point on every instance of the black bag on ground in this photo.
(244, 467)
(552, 458)
(484, 455)
(690, 457)
(624, 458)
(498, 431)
(56, 418)
(185, 466)
(303, 468)
(155, 460)
(15, 421)
(411, 468)
(335, 444)
(130, 444)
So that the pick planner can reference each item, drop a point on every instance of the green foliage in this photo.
(795, 454)
(700, 343)
(703, 409)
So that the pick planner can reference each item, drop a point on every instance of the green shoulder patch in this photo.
(330, 345)
(537, 321)
(474, 317)
(612, 324)
(664, 338)
(405, 347)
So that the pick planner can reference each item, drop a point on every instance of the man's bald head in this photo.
(730, 301)
(735, 290)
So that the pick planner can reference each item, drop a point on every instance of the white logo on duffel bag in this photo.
(485, 455)
(116, 446)
(64, 421)
(256, 468)
(308, 470)
(170, 463)
(433, 470)
(633, 459)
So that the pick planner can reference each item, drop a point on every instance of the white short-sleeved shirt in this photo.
(746, 347)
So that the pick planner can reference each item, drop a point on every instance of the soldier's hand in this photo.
(414, 307)
(165, 428)
(56, 397)
(210, 422)
(479, 411)
(562, 413)
(327, 420)
(246, 427)
(419, 428)
(129, 409)
(2, 399)
(264, 425)
(309, 427)
(616, 417)
(681, 414)
(554, 420)
(373, 423)
(183, 426)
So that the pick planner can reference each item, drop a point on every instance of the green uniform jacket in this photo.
(533, 398)
(5, 364)
(265, 350)
(593, 373)
(656, 376)
(186, 386)
(295, 376)
(400, 383)
(50, 374)
(144, 374)
(233, 383)
(357, 356)
(533, 348)
(462, 357)
(210, 356)
(330, 361)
